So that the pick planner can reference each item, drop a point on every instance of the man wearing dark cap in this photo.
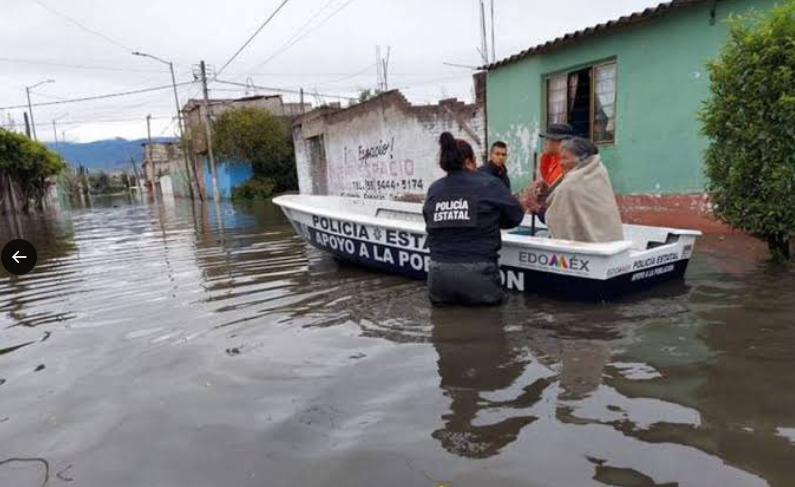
(549, 166)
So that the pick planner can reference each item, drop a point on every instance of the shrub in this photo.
(254, 189)
(750, 121)
(256, 136)
(26, 165)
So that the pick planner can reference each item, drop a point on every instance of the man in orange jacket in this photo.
(549, 165)
(549, 170)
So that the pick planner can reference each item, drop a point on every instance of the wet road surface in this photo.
(167, 345)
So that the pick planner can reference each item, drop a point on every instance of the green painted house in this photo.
(634, 86)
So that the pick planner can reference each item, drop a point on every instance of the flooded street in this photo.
(167, 345)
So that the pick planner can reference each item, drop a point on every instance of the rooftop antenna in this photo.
(382, 65)
(385, 70)
(378, 67)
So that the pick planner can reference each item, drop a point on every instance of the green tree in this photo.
(25, 166)
(255, 135)
(750, 121)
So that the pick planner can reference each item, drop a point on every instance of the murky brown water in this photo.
(172, 346)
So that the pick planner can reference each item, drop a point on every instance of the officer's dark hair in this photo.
(499, 145)
(454, 152)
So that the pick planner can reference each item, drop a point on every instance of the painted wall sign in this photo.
(385, 152)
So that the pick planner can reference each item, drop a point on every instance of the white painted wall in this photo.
(166, 187)
(385, 152)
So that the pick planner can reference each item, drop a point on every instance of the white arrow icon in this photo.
(16, 257)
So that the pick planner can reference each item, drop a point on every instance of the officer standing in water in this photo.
(464, 212)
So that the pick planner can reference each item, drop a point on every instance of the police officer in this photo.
(464, 212)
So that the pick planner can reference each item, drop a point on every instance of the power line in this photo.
(290, 44)
(116, 120)
(41, 62)
(347, 77)
(256, 33)
(99, 97)
(82, 27)
(281, 90)
(300, 30)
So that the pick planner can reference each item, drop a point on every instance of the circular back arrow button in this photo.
(19, 257)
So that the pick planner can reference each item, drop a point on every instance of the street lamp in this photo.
(179, 113)
(30, 106)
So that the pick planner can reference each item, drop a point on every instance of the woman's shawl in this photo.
(583, 208)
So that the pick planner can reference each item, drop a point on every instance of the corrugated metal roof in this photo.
(635, 18)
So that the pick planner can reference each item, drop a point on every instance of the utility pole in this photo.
(302, 102)
(30, 105)
(137, 178)
(27, 125)
(484, 47)
(181, 132)
(208, 132)
(148, 154)
(55, 134)
(493, 36)
(179, 123)
(30, 111)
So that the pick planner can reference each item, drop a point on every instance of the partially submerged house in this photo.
(383, 148)
(633, 86)
(164, 169)
(230, 174)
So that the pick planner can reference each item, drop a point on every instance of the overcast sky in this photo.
(324, 46)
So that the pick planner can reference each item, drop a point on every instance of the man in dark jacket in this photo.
(495, 166)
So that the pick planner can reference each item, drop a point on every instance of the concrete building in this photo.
(272, 103)
(384, 148)
(634, 86)
(163, 169)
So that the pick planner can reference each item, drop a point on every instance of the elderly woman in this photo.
(583, 207)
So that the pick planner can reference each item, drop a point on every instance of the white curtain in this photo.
(556, 99)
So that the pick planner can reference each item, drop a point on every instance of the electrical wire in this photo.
(99, 97)
(290, 44)
(301, 29)
(117, 120)
(41, 62)
(254, 35)
(282, 90)
(347, 77)
(82, 26)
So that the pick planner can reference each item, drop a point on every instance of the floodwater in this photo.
(172, 345)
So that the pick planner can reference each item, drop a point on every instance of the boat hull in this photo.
(568, 274)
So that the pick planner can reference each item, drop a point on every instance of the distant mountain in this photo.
(109, 154)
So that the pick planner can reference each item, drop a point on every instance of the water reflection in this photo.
(477, 368)
(275, 350)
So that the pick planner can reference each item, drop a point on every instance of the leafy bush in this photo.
(26, 165)
(254, 189)
(750, 121)
(256, 136)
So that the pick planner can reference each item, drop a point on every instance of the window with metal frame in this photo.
(586, 99)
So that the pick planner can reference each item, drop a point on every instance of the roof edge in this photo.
(599, 29)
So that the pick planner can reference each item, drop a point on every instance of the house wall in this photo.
(384, 148)
(662, 81)
(166, 159)
(229, 174)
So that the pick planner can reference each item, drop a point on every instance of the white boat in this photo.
(390, 236)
